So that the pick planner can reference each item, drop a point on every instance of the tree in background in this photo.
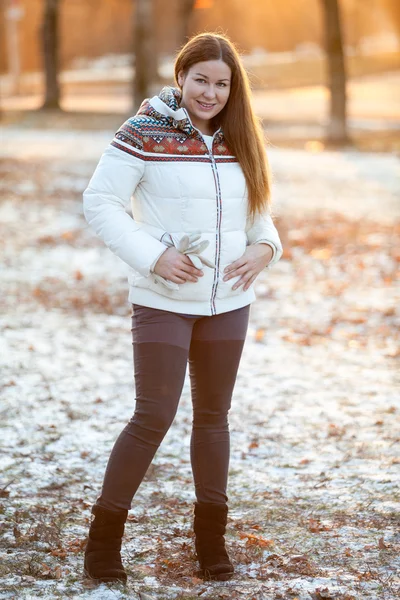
(145, 52)
(49, 33)
(337, 127)
(185, 12)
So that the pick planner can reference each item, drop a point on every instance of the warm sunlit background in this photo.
(283, 45)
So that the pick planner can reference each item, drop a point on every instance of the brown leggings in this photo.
(163, 343)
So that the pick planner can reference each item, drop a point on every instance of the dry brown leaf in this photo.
(315, 526)
(321, 253)
(381, 544)
(57, 573)
(260, 334)
(255, 540)
(60, 552)
(298, 558)
(323, 593)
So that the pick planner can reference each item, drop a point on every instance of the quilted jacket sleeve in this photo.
(262, 230)
(114, 180)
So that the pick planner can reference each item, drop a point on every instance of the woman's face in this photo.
(205, 91)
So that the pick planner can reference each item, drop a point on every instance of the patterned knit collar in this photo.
(166, 106)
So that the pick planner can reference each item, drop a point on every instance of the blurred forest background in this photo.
(334, 58)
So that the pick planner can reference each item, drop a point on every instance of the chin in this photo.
(205, 116)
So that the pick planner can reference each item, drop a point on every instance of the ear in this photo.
(181, 78)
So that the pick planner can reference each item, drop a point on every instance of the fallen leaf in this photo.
(323, 593)
(321, 253)
(381, 544)
(255, 540)
(61, 553)
(57, 573)
(297, 558)
(259, 335)
(144, 596)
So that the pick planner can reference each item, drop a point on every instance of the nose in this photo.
(209, 92)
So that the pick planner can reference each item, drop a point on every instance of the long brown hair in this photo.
(242, 128)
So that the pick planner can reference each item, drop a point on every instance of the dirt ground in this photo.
(314, 475)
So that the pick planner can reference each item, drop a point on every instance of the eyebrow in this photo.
(205, 77)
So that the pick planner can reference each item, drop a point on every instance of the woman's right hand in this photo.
(176, 267)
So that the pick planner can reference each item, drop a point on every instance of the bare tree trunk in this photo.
(185, 11)
(337, 127)
(145, 52)
(50, 53)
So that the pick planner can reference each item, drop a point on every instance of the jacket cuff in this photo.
(153, 264)
(274, 249)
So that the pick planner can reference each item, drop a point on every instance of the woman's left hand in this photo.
(255, 258)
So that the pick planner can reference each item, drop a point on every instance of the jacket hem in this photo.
(151, 299)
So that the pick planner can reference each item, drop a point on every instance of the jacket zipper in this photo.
(218, 224)
(217, 233)
(219, 215)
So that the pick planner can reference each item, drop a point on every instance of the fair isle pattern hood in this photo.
(179, 189)
(164, 127)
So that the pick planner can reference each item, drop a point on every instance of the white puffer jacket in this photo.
(179, 189)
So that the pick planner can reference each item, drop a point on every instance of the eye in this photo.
(222, 84)
(199, 79)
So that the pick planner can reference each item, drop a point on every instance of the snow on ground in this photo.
(314, 496)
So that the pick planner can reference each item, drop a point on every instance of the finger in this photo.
(249, 283)
(186, 276)
(176, 279)
(187, 266)
(191, 271)
(237, 272)
(243, 280)
(236, 264)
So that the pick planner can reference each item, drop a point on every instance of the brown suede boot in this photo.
(209, 528)
(102, 553)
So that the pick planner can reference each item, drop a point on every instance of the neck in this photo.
(204, 127)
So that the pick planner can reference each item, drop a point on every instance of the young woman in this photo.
(194, 160)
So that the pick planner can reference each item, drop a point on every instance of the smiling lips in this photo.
(205, 106)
